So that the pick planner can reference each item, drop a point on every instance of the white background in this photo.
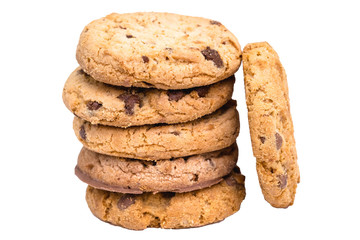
(319, 45)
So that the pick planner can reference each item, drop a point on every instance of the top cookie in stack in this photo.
(158, 50)
(153, 109)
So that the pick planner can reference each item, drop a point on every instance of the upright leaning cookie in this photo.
(169, 210)
(158, 50)
(154, 142)
(100, 103)
(271, 127)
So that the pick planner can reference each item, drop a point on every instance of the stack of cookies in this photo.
(153, 110)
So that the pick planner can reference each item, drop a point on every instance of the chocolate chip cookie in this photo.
(158, 50)
(136, 176)
(169, 210)
(271, 127)
(153, 142)
(100, 103)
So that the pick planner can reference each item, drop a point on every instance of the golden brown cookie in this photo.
(137, 176)
(169, 210)
(100, 103)
(158, 50)
(153, 142)
(271, 127)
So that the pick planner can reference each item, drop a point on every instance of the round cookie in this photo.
(169, 210)
(153, 142)
(104, 104)
(271, 127)
(136, 176)
(158, 50)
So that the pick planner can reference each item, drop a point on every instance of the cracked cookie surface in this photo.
(153, 142)
(169, 210)
(100, 103)
(158, 50)
(136, 176)
(270, 123)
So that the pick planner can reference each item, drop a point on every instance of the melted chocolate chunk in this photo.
(282, 181)
(130, 100)
(213, 22)
(175, 95)
(126, 201)
(176, 133)
(93, 105)
(213, 55)
(262, 139)
(202, 91)
(145, 59)
(82, 132)
(129, 36)
(279, 141)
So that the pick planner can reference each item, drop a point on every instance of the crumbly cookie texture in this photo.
(136, 176)
(169, 210)
(100, 103)
(270, 123)
(158, 50)
(153, 142)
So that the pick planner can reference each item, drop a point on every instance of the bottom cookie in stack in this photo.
(179, 193)
(169, 209)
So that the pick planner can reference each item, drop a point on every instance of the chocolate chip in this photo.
(236, 169)
(129, 36)
(93, 105)
(213, 55)
(213, 22)
(282, 181)
(176, 133)
(262, 139)
(175, 95)
(195, 177)
(82, 132)
(202, 91)
(130, 100)
(279, 141)
(126, 201)
(168, 195)
(231, 181)
(145, 59)
(90, 166)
